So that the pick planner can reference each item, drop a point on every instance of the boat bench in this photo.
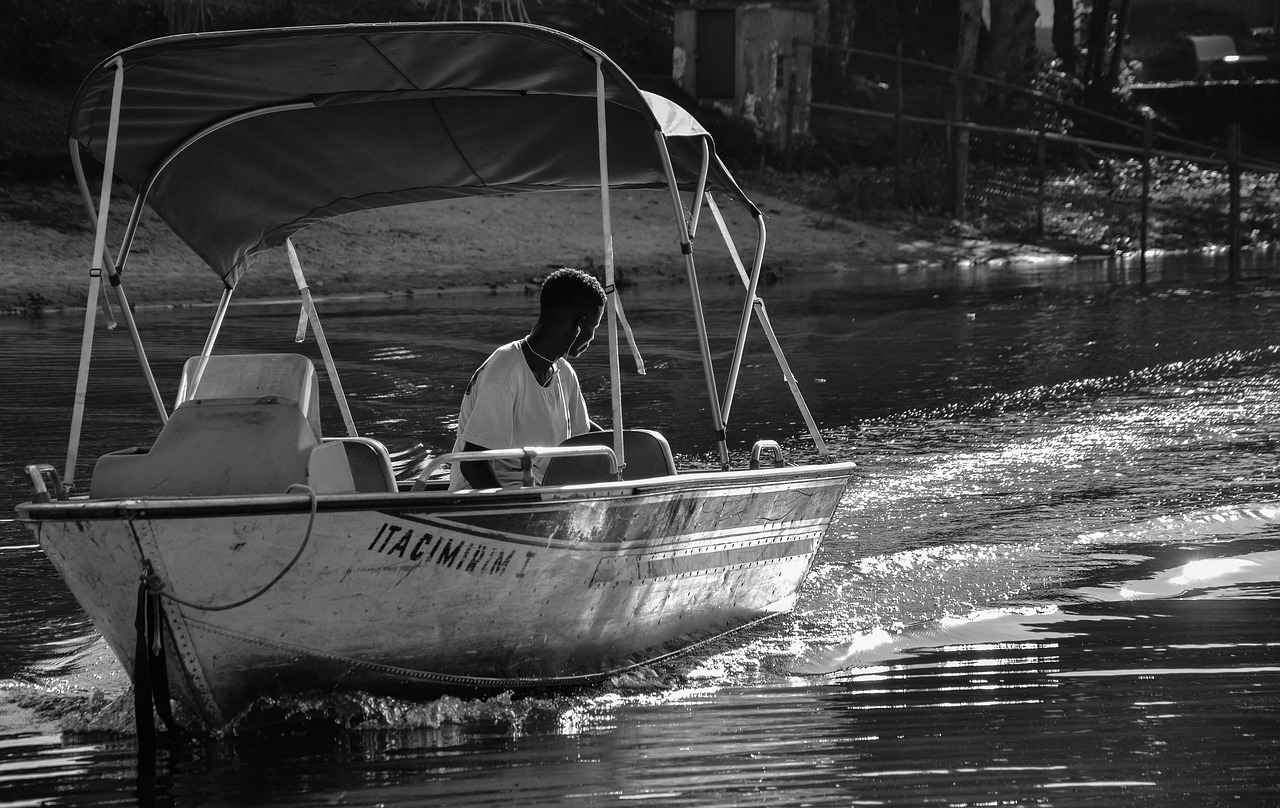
(646, 452)
(226, 443)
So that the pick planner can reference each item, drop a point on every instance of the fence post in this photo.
(960, 146)
(1233, 168)
(788, 144)
(897, 126)
(1041, 170)
(1146, 199)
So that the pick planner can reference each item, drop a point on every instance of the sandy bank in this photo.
(507, 241)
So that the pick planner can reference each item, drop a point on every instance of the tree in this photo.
(185, 16)
(1064, 34)
(1010, 56)
(970, 32)
(1104, 50)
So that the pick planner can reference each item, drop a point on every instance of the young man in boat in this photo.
(526, 393)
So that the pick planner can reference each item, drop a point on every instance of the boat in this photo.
(244, 554)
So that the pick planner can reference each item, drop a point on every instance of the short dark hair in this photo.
(573, 288)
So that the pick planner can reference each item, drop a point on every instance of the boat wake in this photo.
(1227, 553)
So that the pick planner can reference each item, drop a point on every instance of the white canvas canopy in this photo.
(238, 140)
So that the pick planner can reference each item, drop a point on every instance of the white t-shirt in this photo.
(504, 407)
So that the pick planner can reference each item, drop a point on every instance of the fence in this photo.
(915, 134)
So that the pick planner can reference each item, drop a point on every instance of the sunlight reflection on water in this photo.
(1055, 574)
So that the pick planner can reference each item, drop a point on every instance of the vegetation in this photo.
(851, 168)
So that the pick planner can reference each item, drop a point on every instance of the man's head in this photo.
(570, 307)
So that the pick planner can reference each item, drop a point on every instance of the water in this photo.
(1055, 581)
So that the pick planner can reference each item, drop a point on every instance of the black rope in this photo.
(150, 671)
(306, 538)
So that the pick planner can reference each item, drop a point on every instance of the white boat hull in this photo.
(413, 593)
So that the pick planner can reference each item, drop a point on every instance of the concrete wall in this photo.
(772, 63)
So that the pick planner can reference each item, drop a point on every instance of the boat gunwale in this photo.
(724, 482)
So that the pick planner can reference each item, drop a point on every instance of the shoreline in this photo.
(496, 245)
(349, 302)
(459, 245)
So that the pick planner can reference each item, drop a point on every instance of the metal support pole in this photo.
(753, 286)
(95, 278)
(329, 364)
(700, 320)
(113, 275)
(215, 328)
(610, 282)
(763, 316)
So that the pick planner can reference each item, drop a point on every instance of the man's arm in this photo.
(478, 472)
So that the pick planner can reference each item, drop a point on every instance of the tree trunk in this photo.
(1117, 46)
(970, 29)
(1064, 34)
(1097, 46)
(184, 16)
(1011, 54)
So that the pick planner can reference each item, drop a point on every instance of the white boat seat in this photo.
(370, 464)
(647, 455)
(241, 377)
(229, 447)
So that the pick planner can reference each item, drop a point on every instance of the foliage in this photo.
(1098, 207)
(57, 41)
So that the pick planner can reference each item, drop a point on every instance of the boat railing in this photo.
(526, 455)
(40, 486)
(767, 447)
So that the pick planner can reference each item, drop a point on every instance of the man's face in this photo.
(587, 325)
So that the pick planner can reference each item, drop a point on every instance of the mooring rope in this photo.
(156, 585)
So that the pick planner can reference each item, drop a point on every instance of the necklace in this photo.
(550, 362)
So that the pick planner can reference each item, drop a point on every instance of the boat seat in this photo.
(647, 454)
(370, 464)
(227, 447)
(249, 377)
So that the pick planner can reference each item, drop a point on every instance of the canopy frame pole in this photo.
(702, 188)
(145, 190)
(762, 315)
(209, 341)
(748, 303)
(610, 281)
(329, 364)
(95, 277)
(704, 344)
(113, 275)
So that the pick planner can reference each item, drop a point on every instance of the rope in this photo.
(156, 585)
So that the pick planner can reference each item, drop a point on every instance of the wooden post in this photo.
(1233, 168)
(1041, 171)
(897, 126)
(788, 143)
(1146, 200)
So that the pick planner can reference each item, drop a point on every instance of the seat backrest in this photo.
(369, 462)
(250, 377)
(646, 452)
(220, 449)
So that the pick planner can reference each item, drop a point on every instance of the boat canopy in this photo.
(238, 140)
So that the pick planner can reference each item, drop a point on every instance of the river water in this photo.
(1055, 580)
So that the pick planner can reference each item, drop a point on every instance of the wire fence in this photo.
(1023, 163)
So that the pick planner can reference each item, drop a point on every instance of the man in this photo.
(526, 393)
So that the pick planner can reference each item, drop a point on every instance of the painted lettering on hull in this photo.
(450, 552)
